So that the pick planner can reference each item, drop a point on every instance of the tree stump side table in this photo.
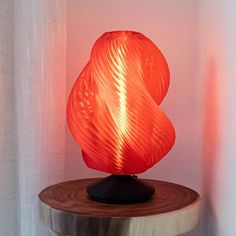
(67, 211)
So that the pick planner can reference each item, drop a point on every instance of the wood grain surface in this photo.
(66, 209)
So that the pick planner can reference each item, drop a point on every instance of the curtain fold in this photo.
(32, 109)
(8, 162)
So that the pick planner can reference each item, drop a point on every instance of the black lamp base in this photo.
(120, 189)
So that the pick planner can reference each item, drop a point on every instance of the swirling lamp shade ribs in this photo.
(113, 109)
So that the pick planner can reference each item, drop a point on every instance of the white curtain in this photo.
(32, 109)
(8, 145)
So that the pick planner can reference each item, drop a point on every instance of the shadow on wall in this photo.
(210, 148)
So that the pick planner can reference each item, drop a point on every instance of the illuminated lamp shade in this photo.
(114, 113)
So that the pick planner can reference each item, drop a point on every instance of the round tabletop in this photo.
(66, 210)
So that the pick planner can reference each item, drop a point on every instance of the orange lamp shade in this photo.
(113, 109)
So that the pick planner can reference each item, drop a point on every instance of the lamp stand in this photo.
(120, 189)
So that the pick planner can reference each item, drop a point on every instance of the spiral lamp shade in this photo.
(113, 109)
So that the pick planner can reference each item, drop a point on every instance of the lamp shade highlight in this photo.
(113, 109)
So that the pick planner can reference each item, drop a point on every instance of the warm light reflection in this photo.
(113, 110)
(122, 123)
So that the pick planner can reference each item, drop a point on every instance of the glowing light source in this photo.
(113, 109)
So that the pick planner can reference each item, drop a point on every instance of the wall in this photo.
(172, 26)
(217, 65)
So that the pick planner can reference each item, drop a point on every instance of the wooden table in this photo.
(67, 211)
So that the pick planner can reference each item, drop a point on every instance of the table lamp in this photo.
(113, 112)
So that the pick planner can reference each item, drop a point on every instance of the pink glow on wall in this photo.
(211, 141)
(217, 49)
